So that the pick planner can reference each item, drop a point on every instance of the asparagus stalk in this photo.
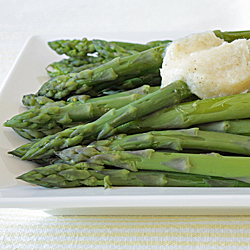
(113, 72)
(34, 101)
(69, 65)
(168, 96)
(232, 167)
(73, 48)
(240, 126)
(82, 47)
(113, 50)
(34, 134)
(176, 140)
(150, 77)
(121, 49)
(190, 114)
(57, 116)
(37, 102)
(106, 52)
(31, 134)
(230, 36)
(81, 174)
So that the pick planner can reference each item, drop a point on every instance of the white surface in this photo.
(27, 76)
(20, 19)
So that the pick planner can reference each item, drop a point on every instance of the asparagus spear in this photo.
(66, 66)
(240, 126)
(189, 114)
(230, 36)
(113, 50)
(168, 96)
(81, 174)
(81, 47)
(34, 134)
(73, 48)
(42, 162)
(152, 79)
(56, 116)
(212, 164)
(121, 49)
(31, 134)
(113, 72)
(106, 52)
(176, 140)
(37, 102)
(34, 101)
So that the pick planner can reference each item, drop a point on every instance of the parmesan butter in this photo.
(210, 66)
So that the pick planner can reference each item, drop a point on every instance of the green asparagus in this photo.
(58, 116)
(168, 96)
(176, 140)
(73, 65)
(31, 134)
(190, 114)
(73, 48)
(34, 101)
(212, 164)
(230, 36)
(106, 52)
(110, 73)
(124, 159)
(82, 47)
(34, 134)
(66, 176)
(240, 126)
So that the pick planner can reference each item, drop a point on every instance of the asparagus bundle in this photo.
(239, 126)
(104, 52)
(176, 140)
(34, 101)
(171, 95)
(62, 116)
(232, 167)
(173, 140)
(82, 174)
(79, 50)
(110, 73)
(189, 114)
(180, 116)
(100, 161)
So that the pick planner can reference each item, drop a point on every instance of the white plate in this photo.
(26, 76)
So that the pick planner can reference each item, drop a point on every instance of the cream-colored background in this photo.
(23, 229)
(20, 19)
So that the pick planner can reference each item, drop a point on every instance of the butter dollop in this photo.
(210, 66)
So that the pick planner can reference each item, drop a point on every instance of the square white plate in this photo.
(26, 76)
